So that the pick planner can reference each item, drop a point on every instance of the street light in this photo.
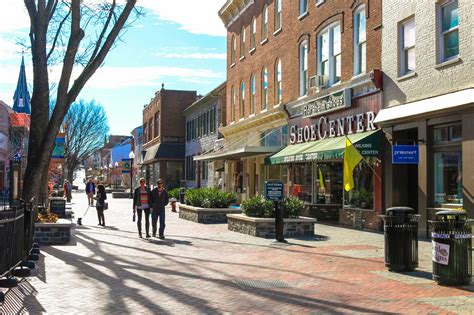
(110, 175)
(131, 156)
(116, 174)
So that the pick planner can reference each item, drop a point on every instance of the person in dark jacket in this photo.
(142, 204)
(100, 204)
(160, 199)
(90, 191)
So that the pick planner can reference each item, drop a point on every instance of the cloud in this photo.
(13, 16)
(194, 56)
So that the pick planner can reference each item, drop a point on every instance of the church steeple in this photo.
(21, 99)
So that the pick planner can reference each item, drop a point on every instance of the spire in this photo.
(21, 99)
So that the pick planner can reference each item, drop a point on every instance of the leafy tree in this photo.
(75, 35)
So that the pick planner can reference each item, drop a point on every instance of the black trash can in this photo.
(181, 195)
(401, 238)
(452, 241)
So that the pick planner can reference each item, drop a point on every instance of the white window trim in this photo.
(280, 12)
(319, 2)
(264, 41)
(302, 16)
(439, 17)
(357, 58)
(251, 51)
(300, 68)
(402, 48)
(253, 33)
(278, 31)
(331, 57)
(305, 13)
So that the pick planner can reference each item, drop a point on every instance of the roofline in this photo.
(205, 97)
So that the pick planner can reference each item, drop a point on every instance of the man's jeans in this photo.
(154, 218)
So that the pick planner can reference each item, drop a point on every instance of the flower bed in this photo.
(49, 233)
(206, 215)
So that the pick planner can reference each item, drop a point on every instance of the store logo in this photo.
(440, 253)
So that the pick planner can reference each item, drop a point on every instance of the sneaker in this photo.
(140, 235)
(148, 236)
(161, 237)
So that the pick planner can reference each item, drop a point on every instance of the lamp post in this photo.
(110, 175)
(131, 156)
(116, 174)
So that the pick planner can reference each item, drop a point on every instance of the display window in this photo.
(362, 196)
(328, 183)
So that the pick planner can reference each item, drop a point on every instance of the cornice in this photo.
(232, 10)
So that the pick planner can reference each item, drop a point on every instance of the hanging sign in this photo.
(59, 148)
(126, 163)
(405, 154)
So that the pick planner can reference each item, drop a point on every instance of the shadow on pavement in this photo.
(170, 242)
(21, 299)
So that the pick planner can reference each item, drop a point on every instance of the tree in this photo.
(77, 35)
(85, 127)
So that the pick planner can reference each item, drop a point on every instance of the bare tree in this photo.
(85, 126)
(76, 34)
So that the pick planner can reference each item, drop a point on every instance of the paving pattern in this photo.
(206, 269)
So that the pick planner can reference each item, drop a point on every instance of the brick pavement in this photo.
(207, 269)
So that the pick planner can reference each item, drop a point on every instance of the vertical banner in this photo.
(126, 164)
(59, 147)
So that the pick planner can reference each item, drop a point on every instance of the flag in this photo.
(352, 157)
(321, 179)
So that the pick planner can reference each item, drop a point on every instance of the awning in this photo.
(164, 151)
(368, 144)
(413, 111)
(246, 151)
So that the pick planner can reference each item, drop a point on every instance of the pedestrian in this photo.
(160, 199)
(67, 188)
(100, 204)
(142, 204)
(90, 191)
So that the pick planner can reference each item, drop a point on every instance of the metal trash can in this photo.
(181, 195)
(452, 241)
(401, 238)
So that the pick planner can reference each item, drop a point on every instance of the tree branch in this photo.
(58, 32)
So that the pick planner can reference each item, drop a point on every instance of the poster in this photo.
(126, 166)
(440, 253)
(58, 152)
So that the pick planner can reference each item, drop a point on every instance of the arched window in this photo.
(242, 42)
(278, 90)
(253, 33)
(242, 99)
(264, 89)
(232, 104)
(264, 23)
(277, 14)
(253, 94)
(233, 49)
(329, 54)
(303, 67)
(359, 41)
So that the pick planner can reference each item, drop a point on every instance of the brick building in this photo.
(163, 136)
(203, 118)
(428, 62)
(295, 67)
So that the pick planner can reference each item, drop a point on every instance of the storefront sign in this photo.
(405, 154)
(331, 128)
(274, 191)
(329, 103)
(440, 253)
(173, 139)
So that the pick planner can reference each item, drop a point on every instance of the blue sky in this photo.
(180, 43)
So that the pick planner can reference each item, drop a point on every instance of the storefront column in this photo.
(388, 170)
(423, 179)
(377, 179)
(468, 163)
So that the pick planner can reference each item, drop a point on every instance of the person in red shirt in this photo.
(142, 204)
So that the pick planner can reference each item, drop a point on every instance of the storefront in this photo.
(318, 128)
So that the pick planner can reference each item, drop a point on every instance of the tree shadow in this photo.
(21, 300)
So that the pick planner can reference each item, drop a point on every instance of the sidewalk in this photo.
(208, 269)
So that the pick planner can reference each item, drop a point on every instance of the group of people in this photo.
(100, 198)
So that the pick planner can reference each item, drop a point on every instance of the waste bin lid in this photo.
(451, 212)
(394, 211)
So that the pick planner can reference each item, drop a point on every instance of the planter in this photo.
(206, 215)
(265, 227)
(53, 233)
(360, 218)
(120, 195)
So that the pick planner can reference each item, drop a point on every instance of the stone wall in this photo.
(53, 233)
(265, 227)
(204, 215)
(322, 212)
(360, 219)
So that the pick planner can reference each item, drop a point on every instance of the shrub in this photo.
(362, 199)
(258, 207)
(292, 207)
(209, 198)
(174, 193)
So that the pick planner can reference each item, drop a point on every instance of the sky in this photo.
(180, 43)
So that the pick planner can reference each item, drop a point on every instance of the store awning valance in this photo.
(368, 144)
(164, 151)
(245, 151)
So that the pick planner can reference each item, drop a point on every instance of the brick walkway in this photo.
(207, 269)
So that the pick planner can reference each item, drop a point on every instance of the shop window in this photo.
(448, 21)
(407, 47)
(276, 137)
(302, 182)
(329, 54)
(328, 183)
(446, 134)
(359, 41)
(362, 196)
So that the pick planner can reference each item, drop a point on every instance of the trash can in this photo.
(401, 238)
(451, 237)
(181, 195)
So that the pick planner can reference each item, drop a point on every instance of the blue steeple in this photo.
(21, 99)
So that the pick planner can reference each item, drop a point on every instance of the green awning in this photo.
(368, 144)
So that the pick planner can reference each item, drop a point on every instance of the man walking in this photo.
(159, 197)
(141, 204)
(90, 191)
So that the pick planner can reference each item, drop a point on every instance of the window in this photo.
(329, 54)
(264, 23)
(157, 124)
(449, 30)
(145, 133)
(242, 43)
(278, 90)
(264, 89)
(303, 68)
(253, 32)
(233, 49)
(359, 41)
(188, 129)
(150, 129)
(277, 15)
(232, 104)
(252, 95)
(242, 99)
(407, 49)
(303, 7)
(212, 120)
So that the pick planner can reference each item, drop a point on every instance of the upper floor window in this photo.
(277, 15)
(264, 23)
(303, 67)
(233, 49)
(253, 94)
(359, 41)
(449, 30)
(253, 32)
(278, 90)
(145, 133)
(242, 99)
(232, 104)
(329, 54)
(242, 42)
(157, 124)
(303, 7)
(407, 47)
(264, 88)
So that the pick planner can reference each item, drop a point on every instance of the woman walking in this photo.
(141, 204)
(100, 204)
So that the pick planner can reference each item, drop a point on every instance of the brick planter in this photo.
(360, 219)
(53, 233)
(205, 215)
(265, 227)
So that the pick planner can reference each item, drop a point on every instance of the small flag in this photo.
(352, 157)
(321, 179)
